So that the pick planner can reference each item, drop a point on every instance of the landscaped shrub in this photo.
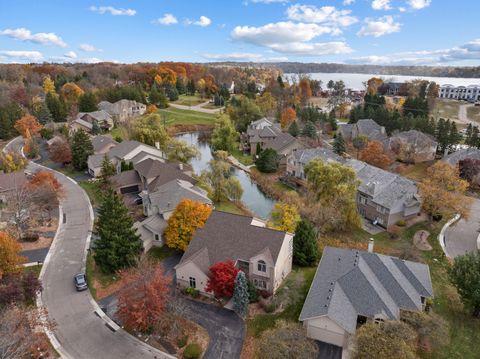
(195, 293)
(192, 351)
(30, 237)
(264, 294)
(182, 341)
(401, 223)
(46, 133)
(269, 307)
(252, 292)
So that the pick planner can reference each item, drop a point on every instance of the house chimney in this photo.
(180, 166)
(370, 245)
(157, 145)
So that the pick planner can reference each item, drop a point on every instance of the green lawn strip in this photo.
(175, 116)
(90, 274)
(260, 323)
(211, 106)
(187, 100)
(473, 113)
(93, 273)
(229, 207)
(34, 269)
(160, 253)
(70, 171)
(93, 190)
(243, 158)
(119, 132)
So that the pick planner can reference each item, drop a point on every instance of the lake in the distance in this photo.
(355, 81)
(254, 199)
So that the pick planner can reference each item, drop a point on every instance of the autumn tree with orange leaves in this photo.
(151, 108)
(288, 116)
(375, 155)
(71, 92)
(9, 258)
(43, 179)
(60, 152)
(28, 126)
(144, 297)
(185, 220)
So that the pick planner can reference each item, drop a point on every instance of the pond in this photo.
(254, 199)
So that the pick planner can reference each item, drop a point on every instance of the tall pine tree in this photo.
(339, 144)
(305, 249)
(118, 245)
(241, 296)
(81, 147)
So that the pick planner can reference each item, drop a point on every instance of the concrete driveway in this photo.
(461, 237)
(80, 333)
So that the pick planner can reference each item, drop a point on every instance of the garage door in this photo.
(325, 335)
(129, 189)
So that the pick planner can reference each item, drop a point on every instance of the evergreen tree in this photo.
(81, 147)
(118, 245)
(171, 92)
(57, 107)
(241, 296)
(224, 92)
(310, 130)
(9, 114)
(339, 144)
(180, 85)
(305, 248)
(158, 97)
(95, 128)
(475, 138)
(267, 161)
(108, 169)
(44, 116)
(191, 88)
(453, 136)
(293, 129)
(87, 102)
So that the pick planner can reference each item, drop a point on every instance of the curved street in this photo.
(461, 237)
(79, 331)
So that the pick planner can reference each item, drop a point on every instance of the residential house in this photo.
(102, 144)
(127, 152)
(123, 110)
(160, 203)
(263, 254)
(85, 120)
(413, 146)
(259, 133)
(284, 144)
(367, 127)
(352, 287)
(471, 92)
(393, 89)
(382, 197)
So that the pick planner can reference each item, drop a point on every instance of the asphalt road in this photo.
(80, 332)
(461, 237)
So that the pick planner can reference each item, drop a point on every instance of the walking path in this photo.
(81, 330)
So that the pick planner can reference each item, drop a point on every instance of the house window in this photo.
(361, 320)
(193, 282)
(157, 237)
(378, 320)
(260, 283)
(261, 266)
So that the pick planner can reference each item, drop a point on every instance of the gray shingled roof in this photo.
(416, 138)
(163, 172)
(126, 178)
(227, 236)
(457, 156)
(282, 141)
(167, 196)
(124, 148)
(100, 142)
(349, 283)
(99, 115)
(305, 156)
(95, 161)
(367, 126)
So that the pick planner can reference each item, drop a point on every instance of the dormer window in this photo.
(261, 266)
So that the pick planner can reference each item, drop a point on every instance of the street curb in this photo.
(478, 242)
(441, 236)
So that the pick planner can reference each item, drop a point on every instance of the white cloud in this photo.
(85, 60)
(243, 57)
(268, 1)
(419, 4)
(203, 21)
(468, 51)
(167, 19)
(327, 15)
(88, 48)
(291, 38)
(379, 27)
(348, 2)
(402, 9)
(71, 55)
(381, 5)
(32, 56)
(44, 38)
(113, 11)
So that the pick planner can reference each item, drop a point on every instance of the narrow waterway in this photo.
(252, 197)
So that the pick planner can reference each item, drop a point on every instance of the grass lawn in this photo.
(174, 116)
(243, 158)
(95, 277)
(70, 171)
(446, 108)
(119, 132)
(34, 269)
(229, 207)
(473, 113)
(93, 190)
(211, 106)
(160, 253)
(417, 171)
(187, 100)
(296, 287)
